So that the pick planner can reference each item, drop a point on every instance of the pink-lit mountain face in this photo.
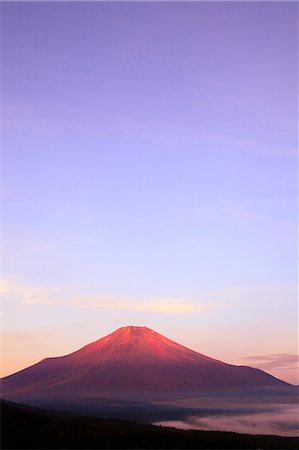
(134, 363)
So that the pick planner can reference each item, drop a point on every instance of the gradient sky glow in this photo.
(150, 159)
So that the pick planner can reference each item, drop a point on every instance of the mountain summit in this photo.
(134, 363)
(138, 345)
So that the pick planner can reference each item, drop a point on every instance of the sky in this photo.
(150, 177)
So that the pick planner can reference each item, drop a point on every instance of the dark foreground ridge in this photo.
(24, 427)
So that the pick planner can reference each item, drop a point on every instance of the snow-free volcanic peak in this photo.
(134, 363)
(138, 344)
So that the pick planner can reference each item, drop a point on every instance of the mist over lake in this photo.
(283, 421)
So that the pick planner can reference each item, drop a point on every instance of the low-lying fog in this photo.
(278, 419)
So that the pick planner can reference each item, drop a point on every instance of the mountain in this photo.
(136, 363)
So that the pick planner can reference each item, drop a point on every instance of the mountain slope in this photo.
(134, 363)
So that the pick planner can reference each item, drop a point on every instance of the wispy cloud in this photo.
(274, 361)
(14, 340)
(14, 289)
(171, 305)
(80, 296)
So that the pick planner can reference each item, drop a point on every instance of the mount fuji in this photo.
(136, 363)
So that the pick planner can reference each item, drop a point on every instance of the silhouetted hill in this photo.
(136, 363)
(25, 427)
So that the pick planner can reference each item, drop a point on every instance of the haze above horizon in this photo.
(150, 158)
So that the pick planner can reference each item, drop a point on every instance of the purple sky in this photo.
(150, 157)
